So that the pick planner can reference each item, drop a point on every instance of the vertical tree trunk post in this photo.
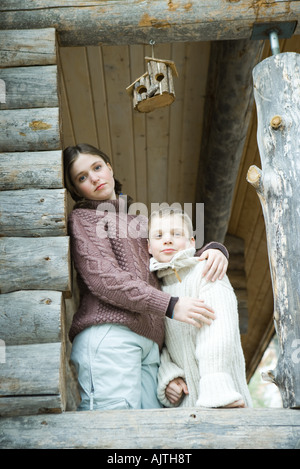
(277, 96)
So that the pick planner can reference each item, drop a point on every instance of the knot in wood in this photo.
(276, 122)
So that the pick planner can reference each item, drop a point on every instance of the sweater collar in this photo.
(179, 261)
(117, 205)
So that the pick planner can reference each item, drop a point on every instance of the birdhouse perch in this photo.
(155, 88)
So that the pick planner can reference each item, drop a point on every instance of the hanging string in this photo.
(152, 45)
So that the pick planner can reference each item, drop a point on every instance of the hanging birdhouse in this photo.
(155, 88)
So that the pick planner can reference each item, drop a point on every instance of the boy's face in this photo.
(167, 236)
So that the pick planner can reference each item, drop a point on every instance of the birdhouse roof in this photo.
(170, 63)
(130, 87)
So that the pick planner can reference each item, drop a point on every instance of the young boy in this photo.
(201, 366)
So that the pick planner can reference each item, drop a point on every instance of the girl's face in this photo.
(93, 178)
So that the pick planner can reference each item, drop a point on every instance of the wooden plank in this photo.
(137, 67)
(67, 136)
(34, 264)
(119, 108)
(157, 141)
(180, 52)
(76, 78)
(27, 47)
(31, 370)
(30, 129)
(30, 405)
(31, 317)
(133, 22)
(100, 104)
(197, 65)
(33, 212)
(30, 87)
(25, 170)
(146, 429)
(68, 399)
(34, 372)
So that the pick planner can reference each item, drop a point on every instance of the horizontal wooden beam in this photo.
(135, 22)
(155, 429)
(30, 129)
(35, 264)
(36, 212)
(31, 369)
(31, 317)
(29, 87)
(27, 47)
(36, 374)
(31, 170)
(30, 405)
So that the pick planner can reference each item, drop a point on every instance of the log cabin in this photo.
(64, 70)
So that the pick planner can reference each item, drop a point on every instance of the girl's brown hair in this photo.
(71, 154)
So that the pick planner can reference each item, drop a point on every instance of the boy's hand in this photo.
(175, 389)
(193, 311)
(216, 265)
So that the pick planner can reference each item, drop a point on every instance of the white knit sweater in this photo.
(209, 359)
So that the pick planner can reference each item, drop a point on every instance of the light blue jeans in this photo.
(117, 368)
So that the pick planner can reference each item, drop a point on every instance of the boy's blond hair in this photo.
(169, 211)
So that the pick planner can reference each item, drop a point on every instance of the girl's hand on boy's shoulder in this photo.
(216, 265)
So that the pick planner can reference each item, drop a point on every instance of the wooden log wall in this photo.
(34, 246)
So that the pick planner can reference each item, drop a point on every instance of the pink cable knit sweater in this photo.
(115, 283)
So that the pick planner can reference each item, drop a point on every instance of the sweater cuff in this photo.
(217, 390)
(164, 378)
(214, 245)
(171, 306)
